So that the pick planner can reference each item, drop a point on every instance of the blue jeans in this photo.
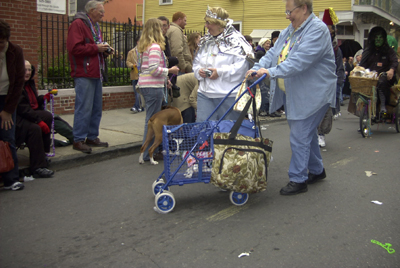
(306, 155)
(88, 108)
(338, 99)
(264, 97)
(153, 98)
(205, 106)
(137, 104)
(11, 176)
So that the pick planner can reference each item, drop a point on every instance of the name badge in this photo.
(379, 64)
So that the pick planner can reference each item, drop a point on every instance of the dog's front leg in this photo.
(152, 161)
(141, 161)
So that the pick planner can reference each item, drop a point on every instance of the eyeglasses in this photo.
(289, 12)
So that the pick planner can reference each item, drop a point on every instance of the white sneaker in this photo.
(321, 141)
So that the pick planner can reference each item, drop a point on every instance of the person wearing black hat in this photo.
(274, 36)
(380, 57)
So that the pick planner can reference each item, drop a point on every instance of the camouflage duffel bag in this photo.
(240, 164)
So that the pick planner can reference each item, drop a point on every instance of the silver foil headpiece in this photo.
(213, 15)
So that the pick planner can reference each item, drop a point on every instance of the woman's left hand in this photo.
(214, 74)
(169, 84)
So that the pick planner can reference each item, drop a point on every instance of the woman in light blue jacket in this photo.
(301, 67)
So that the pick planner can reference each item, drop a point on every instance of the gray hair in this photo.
(92, 4)
(308, 3)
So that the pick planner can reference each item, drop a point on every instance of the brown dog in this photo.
(167, 116)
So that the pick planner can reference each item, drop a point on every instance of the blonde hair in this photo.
(262, 41)
(152, 33)
(221, 13)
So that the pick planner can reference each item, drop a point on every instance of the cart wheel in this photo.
(364, 122)
(398, 118)
(165, 202)
(238, 199)
(157, 185)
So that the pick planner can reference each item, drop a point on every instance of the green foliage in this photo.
(118, 77)
(59, 75)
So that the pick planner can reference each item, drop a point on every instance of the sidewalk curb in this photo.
(103, 154)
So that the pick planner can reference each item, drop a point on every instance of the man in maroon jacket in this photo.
(87, 51)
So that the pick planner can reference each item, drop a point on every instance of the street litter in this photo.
(376, 202)
(369, 173)
(324, 150)
(28, 178)
(387, 246)
(244, 254)
(263, 128)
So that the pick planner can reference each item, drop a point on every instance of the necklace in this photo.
(290, 48)
(95, 30)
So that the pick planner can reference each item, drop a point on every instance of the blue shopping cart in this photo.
(188, 154)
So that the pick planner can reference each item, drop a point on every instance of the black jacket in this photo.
(380, 59)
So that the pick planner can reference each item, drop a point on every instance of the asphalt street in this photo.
(101, 215)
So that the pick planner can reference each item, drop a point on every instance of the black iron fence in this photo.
(54, 68)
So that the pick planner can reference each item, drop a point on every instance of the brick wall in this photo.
(23, 19)
(113, 98)
(27, 32)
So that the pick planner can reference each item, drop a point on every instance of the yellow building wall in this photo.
(267, 14)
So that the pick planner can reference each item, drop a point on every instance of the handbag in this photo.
(6, 159)
(176, 91)
(240, 163)
(242, 101)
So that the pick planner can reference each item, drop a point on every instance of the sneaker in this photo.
(321, 141)
(263, 114)
(335, 117)
(134, 110)
(43, 173)
(15, 186)
(139, 110)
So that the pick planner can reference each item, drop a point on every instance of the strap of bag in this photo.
(242, 115)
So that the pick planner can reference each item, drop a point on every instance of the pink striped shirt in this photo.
(153, 71)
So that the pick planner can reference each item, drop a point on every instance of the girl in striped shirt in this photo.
(153, 71)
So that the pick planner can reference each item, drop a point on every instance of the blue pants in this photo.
(264, 97)
(137, 104)
(306, 155)
(88, 108)
(153, 98)
(205, 106)
(11, 176)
